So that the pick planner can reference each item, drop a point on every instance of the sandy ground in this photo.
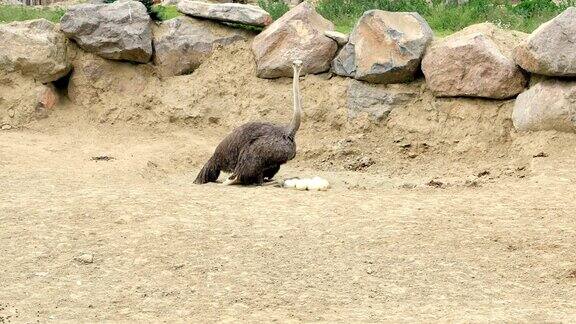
(371, 249)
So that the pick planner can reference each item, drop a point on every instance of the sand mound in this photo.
(420, 138)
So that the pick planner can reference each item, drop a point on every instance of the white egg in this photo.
(290, 183)
(315, 184)
(318, 183)
(302, 184)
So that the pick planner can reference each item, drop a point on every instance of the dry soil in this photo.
(129, 238)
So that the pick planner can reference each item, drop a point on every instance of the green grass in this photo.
(276, 8)
(443, 18)
(9, 13)
(165, 12)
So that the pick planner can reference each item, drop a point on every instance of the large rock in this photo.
(34, 48)
(551, 49)
(298, 34)
(475, 62)
(228, 12)
(116, 31)
(549, 105)
(377, 100)
(182, 44)
(384, 47)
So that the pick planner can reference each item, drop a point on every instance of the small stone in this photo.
(85, 258)
(340, 38)
(435, 184)
(540, 155)
(483, 173)
(6, 127)
(362, 163)
(408, 186)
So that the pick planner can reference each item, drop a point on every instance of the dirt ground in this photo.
(132, 239)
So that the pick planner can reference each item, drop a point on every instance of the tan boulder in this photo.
(183, 43)
(227, 12)
(475, 62)
(548, 105)
(298, 34)
(551, 48)
(34, 48)
(384, 47)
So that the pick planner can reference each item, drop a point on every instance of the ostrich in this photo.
(254, 152)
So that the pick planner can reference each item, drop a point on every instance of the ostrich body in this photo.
(255, 151)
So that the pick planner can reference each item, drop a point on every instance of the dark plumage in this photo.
(255, 151)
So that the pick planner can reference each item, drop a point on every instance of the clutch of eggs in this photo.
(315, 183)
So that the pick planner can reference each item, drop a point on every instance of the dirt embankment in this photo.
(418, 139)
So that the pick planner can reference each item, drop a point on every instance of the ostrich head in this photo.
(297, 65)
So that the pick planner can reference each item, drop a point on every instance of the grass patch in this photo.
(444, 18)
(165, 12)
(9, 13)
(276, 8)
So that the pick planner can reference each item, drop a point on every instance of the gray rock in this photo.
(551, 48)
(548, 105)
(475, 62)
(345, 62)
(377, 100)
(388, 47)
(229, 12)
(297, 35)
(116, 31)
(34, 48)
(183, 43)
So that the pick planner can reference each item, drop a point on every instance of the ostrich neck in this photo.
(295, 123)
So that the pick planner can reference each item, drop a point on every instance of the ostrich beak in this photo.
(297, 63)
